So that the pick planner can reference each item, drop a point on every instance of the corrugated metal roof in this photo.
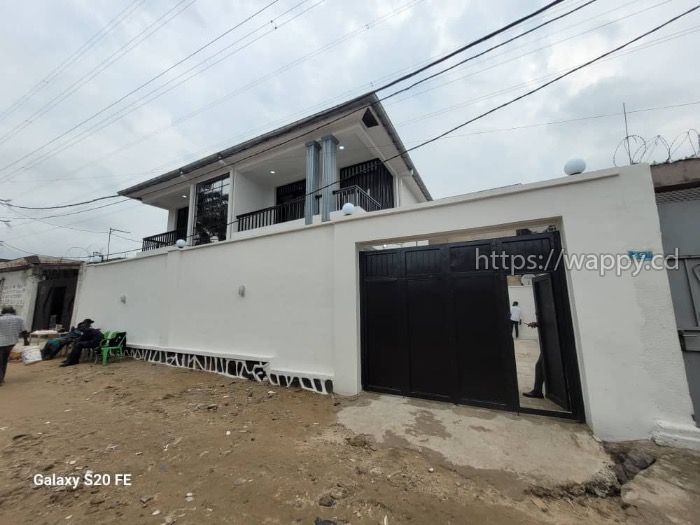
(38, 260)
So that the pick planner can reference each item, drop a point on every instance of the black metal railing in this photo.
(357, 196)
(288, 211)
(293, 210)
(162, 240)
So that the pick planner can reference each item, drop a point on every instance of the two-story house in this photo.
(300, 172)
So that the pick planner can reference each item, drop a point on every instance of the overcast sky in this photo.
(284, 66)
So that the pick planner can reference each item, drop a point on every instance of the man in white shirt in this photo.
(516, 315)
(11, 327)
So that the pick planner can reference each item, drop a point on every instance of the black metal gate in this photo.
(435, 320)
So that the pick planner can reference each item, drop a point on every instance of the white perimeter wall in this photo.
(301, 307)
(189, 300)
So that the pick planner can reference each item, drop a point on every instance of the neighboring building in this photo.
(399, 296)
(41, 288)
(677, 187)
(349, 153)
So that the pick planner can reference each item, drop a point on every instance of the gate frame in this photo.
(567, 341)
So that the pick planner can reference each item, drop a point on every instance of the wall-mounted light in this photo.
(341, 147)
(272, 172)
(123, 299)
(184, 196)
(241, 290)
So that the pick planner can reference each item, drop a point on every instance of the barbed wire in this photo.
(657, 149)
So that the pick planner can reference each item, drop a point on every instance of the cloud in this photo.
(160, 135)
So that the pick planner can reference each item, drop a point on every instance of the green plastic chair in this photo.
(112, 345)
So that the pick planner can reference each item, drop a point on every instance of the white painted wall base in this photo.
(674, 435)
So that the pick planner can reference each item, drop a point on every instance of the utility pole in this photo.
(627, 133)
(109, 238)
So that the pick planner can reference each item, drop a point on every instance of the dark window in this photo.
(211, 211)
(291, 196)
(181, 222)
(374, 178)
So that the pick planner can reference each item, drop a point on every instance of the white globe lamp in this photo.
(574, 166)
(181, 243)
(348, 208)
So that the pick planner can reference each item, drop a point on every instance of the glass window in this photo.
(211, 211)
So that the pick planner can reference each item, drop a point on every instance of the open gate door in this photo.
(435, 324)
(550, 346)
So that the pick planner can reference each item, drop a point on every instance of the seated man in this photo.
(54, 346)
(90, 338)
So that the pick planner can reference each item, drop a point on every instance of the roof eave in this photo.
(368, 99)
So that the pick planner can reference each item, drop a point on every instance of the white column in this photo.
(330, 175)
(312, 182)
(190, 215)
(230, 228)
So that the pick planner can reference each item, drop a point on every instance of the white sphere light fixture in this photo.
(574, 166)
(348, 208)
(181, 243)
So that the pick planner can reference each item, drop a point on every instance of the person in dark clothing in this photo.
(538, 389)
(54, 346)
(90, 338)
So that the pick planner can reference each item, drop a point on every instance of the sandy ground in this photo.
(202, 448)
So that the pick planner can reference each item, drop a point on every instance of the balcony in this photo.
(162, 240)
(289, 211)
(293, 210)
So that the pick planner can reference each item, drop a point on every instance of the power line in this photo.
(330, 100)
(4, 244)
(210, 105)
(487, 50)
(141, 86)
(633, 49)
(493, 66)
(501, 106)
(542, 86)
(389, 84)
(26, 217)
(72, 59)
(6, 202)
(452, 136)
(133, 106)
(159, 23)
(384, 87)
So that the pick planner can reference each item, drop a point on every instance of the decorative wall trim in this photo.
(307, 382)
(231, 367)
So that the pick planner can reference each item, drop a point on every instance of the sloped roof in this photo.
(366, 100)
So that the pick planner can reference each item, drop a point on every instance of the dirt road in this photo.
(202, 448)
